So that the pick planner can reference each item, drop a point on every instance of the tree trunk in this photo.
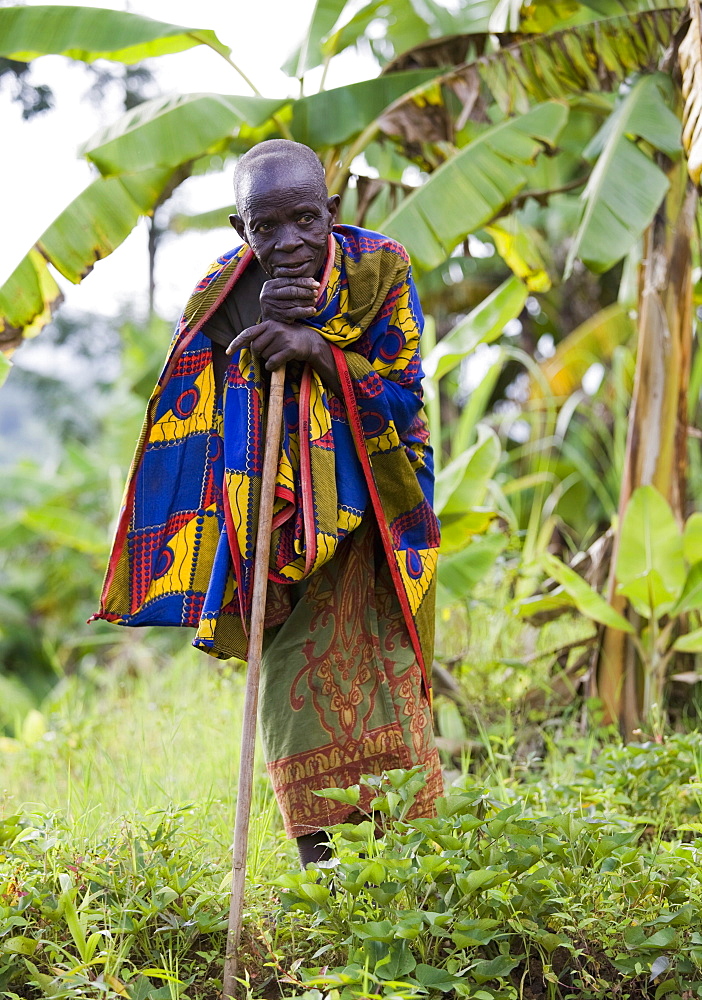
(656, 449)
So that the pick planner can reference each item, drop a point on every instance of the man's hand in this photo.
(278, 343)
(287, 299)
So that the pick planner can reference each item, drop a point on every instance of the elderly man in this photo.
(350, 609)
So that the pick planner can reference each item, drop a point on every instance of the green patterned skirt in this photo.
(341, 690)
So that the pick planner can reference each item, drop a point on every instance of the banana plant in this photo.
(453, 116)
(499, 105)
(659, 571)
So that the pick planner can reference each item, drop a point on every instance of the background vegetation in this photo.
(540, 161)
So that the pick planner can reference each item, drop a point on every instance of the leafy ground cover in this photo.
(570, 873)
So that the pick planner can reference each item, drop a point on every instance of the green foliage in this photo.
(492, 900)
(657, 570)
(626, 187)
(88, 34)
(57, 521)
(484, 176)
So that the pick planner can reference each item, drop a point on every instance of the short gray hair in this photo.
(283, 152)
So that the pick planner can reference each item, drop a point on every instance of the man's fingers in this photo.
(277, 360)
(244, 338)
(292, 313)
(290, 289)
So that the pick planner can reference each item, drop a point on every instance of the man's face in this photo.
(285, 217)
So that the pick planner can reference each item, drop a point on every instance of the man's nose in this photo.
(288, 238)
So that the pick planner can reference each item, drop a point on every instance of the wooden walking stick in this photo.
(248, 733)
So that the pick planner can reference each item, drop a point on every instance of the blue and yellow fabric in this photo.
(183, 553)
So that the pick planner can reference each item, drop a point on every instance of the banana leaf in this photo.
(592, 57)
(309, 53)
(690, 60)
(474, 186)
(586, 600)
(650, 568)
(88, 229)
(625, 187)
(482, 325)
(334, 116)
(181, 222)
(88, 33)
(692, 538)
(689, 643)
(167, 132)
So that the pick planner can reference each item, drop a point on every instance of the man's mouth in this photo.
(292, 268)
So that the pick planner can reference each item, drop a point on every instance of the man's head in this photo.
(285, 213)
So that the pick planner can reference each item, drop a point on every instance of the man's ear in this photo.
(238, 223)
(333, 208)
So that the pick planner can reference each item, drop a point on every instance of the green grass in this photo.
(114, 757)
(561, 866)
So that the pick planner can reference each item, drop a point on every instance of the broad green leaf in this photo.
(89, 33)
(480, 878)
(350, 795)
(649, 595)
(691, 597)
(586, 600)
(309, 53)
(90, 228)
(650, 567)
(463, 482)
(626, 187)
(554, 602)
(398, 963)
(167, 132)
(435, 979)
(27, 300)
(692, 538)
(482, 178)
(481, 326)
(350, 32)
(20, 945)
(459, 574)
(690, 643)
(334, 116)
(201, 221)
(493, 968)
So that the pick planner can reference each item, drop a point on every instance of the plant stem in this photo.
(336, 177)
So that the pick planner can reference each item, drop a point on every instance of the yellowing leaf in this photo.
(518, 246)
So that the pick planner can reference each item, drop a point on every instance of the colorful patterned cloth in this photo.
(183, 552)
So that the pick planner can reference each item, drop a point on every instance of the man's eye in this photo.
(263, 227)
(306, 218)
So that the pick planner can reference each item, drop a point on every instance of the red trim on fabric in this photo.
(306, 471)
(282, 516)
(123, 523)
(331, 257)
(362, 452)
